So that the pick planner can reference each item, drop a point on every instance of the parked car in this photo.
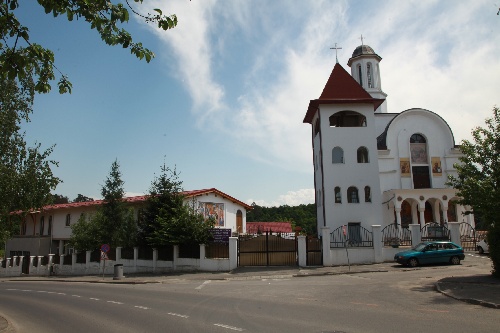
(482, 247)
(431, 253)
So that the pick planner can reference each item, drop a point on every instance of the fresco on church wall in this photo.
(404, 165)
(215, 210)
(418, 153)
(436, 166)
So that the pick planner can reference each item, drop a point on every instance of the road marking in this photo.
(41, 291)
(230, 327)
(203, 284)
(61, 293)
(141, 307)
(306, 299)
(177, 315)
(94, 299)
(11, 289)
(76, 295)
(26, 290)
(367, 304)
(114, 302)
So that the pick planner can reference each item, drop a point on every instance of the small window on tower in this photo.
(338, 195)
(360, 75)
(337, 155)
(352, 195)
(369, 75)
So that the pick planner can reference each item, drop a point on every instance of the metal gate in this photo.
(267, 250)
(434, 232)
(468, 237)
(314, 252)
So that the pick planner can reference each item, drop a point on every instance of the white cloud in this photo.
(291, 198)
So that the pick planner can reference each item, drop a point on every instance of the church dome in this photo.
(362, 50)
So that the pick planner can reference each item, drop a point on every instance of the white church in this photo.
(374, 167)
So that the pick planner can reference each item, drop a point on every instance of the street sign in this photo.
(105, 248)
(104, 256)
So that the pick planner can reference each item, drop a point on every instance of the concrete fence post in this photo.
(416, 236)
(87, 259)
(377, 243)
(176, 257)
(233, 253)
(454, 228)
(202, 256)
(155, 259)
(325, 241)
(136, 256)
(302, 250)
(49, 264)
(118, 254)
(73, 261)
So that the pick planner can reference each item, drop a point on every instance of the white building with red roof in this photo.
(372, 167)
(49, 230)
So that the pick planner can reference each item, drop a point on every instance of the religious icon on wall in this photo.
(436, 166)
(212, 210)
(404, 165)
(418, 153)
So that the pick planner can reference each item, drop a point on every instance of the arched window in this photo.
(368, 194)
(338, 195)
(347, 119)
(68, 220)
(360, 75)
(352, 195)
(337, 155)
(362, 155)
(369, 75)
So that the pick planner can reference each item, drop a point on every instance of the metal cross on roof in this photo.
(336, 48)
(361, 39)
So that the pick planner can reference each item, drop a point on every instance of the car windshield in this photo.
(419, 247)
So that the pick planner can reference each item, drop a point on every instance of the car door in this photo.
(430, 254)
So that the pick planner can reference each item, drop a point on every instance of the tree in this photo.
(26, 177)
(21, 58)
(478, 180)
(59, 199)
(166, 219)
(114, 221)
(82, 198)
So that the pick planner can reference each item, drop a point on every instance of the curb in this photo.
(467, 300)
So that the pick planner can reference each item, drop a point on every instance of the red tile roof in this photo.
(142, 198)
(341, 88)
(281, 227)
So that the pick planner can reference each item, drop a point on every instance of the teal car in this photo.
(431, 253)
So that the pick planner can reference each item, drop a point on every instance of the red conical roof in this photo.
(341, 88)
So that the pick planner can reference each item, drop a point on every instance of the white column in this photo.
(421, 211)
(416, 236)
(302, 250)
(377, 242)
(49, 264)
(73, 261)
(61, 247)
(233, 253)
(454, 228)
(398, 216)
(325, 241)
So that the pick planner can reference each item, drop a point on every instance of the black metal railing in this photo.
(166, 253)
(434, 231)
(351, 236)
(217, 250)
(395, 236)
(81, 257)
(128, 253)
(189, 251)
(145, 253)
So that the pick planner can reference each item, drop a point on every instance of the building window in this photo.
(368, 194)
(338, 195)
(347, 119)
(369, 75)
(362, 155)
(42, 225)
(68, 220)
(337, 155)
(352, 195)
(360, 75)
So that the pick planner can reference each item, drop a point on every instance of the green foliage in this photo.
(166, 219)
(26, 177)
(303, 216)
(59, 199)
(113, 224)
(82, 198)
(20, 58)
(478, 180)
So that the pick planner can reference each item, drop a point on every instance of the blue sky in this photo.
(225, 97)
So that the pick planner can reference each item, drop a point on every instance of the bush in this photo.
(494, 246)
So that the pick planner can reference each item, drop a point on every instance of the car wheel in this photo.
(455, 260)
(480, 250)
(412, 262)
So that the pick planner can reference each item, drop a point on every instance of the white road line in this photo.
(76, 295)
(26, 290)
(11, 289)
(41, 291)
(230, 327)
(203, 284)
(94, 299)
(114, 302)
(177, 315)
(141, 307)
(61, 293)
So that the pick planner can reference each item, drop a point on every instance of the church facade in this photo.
(373, 167)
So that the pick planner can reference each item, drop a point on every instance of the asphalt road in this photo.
(398, 301)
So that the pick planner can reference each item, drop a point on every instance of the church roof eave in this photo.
(314, 105)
